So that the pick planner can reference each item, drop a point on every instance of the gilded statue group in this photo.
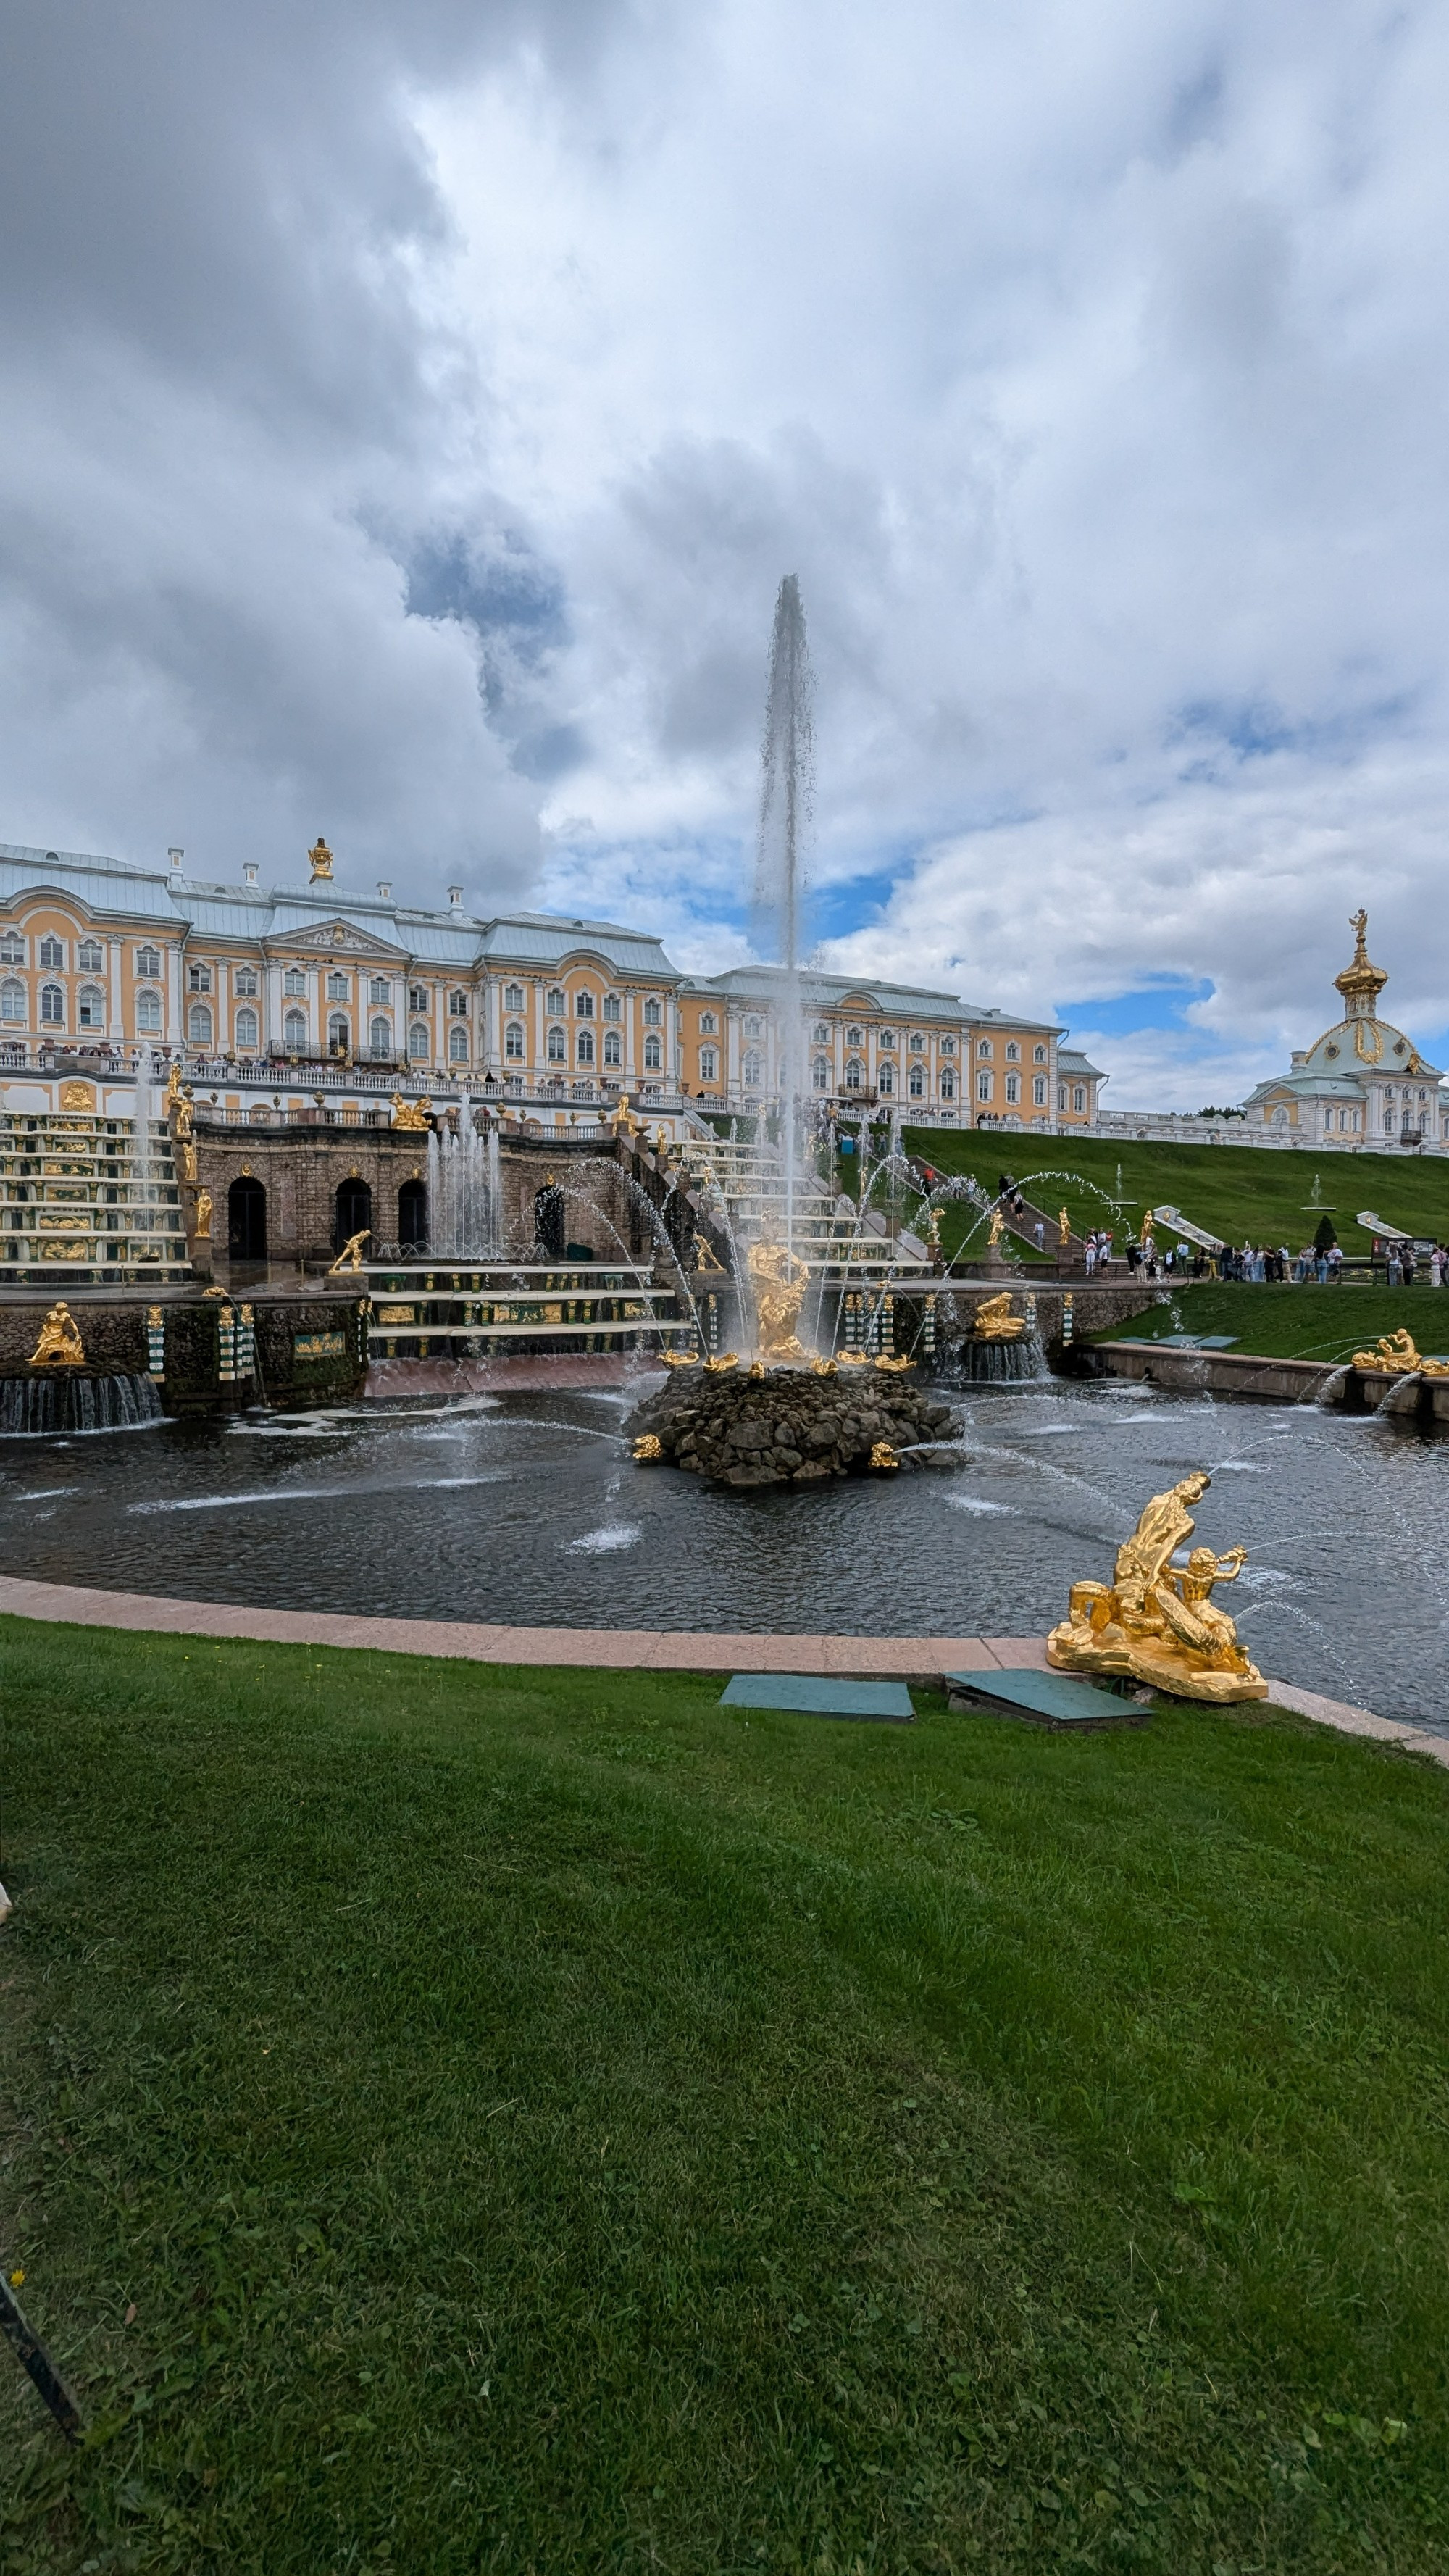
(1156, 1620)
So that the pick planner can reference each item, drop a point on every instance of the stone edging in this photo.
(620, 1649)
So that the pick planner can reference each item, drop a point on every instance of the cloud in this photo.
(411, 412)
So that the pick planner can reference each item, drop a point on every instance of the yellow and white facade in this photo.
(1363, 1085)
(308, 991)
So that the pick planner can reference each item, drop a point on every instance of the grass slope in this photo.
(1238, 1191)
(466, 2120)
(1293, 1323)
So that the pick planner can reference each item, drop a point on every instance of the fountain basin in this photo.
(791, 1427)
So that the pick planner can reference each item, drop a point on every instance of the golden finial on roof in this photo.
(1361, 982)
(321, 859)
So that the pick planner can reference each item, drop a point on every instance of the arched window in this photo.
(854, 1073)
(854, 1038)
(554, 1005)
(148, 1013)
(948, 1086)
(822, 1033)
(244, 980)
(339, 1033)
(1079, 1097)
(983, 1084)
(198, 979)
(12, 948)
(246, 1220)
(246, 1028)
(583, 1004)
(198, 1024)
(918, 1043)
(708, 1064)
(91, 1012)
(457, 1046)
(708, 1024)
(412, 1215)
(418, 1042)
(613, 1007)
(558, 1047)
(887, 1080)
(983, 1049)
(513, 997)
(51, 952)
(820, 1073)
(653, 1054)
(1038, 1090)
(294, 982)
(148, 961)
(1013, 1051)
(294, 1032)
(752, 1070)
(88, 957)
(380, 1037)
(52, 1007)
(12, 1002)
(379, 990)
(613, 1047)
(1038, 1055)
(918, 1082)
(887, 1038)
(513, 1043)
(354, 1212)
(754, 1026)
(1013, 1088)
(338, 988)
(418, 998)
(584, 1046)
(457, 1006)
(1280, 1118)
(653, 1012)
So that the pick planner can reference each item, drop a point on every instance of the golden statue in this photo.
(994, 1321)
(680, 1359)
(852, 1359)
(188, 1159)
(183, 1113)
(895, 1367)
(350, 1257)
(647, 1450)
(60, 1344)
(1156, 1620)
(661, 1140)
(409, 1115)
(172, 1092)
(625, 1122)
(883, 1455)
(780, 1278)
(823, 1368)
(933, 1229)
(704, 1257)
(1398, 1356)
(998, 1229)
(726, 1361)
(201, 1225)
(320, 860)
(1064, 1229)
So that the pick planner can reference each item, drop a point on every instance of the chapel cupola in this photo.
(1360, 983)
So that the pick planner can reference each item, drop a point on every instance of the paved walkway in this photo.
(678, 1650)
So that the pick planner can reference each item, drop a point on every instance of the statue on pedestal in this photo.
(411, 1116)
(60, 1343)
(1158, 1621)
(350, 1257)
(779, 1277)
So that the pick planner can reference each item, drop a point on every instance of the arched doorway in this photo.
(412, 1215)
(354, 1212)
(246, 1220)
(548, 1218)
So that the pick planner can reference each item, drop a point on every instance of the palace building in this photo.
(270, 993)
(1363, 1083)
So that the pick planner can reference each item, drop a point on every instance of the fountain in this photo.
(59, 1390)
(464, 1199)
(787, 779)
(1157, 1621)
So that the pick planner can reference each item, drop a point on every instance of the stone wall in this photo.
(113, 1334)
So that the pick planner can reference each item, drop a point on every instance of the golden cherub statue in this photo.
(201, 1226)
(60, 1343)
(780, 1278)
(350, 1257)
(1156, 1620)
(409, 1115)
(1397, 1355)
(994, 1321)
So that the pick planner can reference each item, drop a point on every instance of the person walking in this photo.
(1436, 1266)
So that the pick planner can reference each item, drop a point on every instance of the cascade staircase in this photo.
(747, 1182)
(88, 1202)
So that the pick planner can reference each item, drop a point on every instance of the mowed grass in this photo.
(1245, 1193)
(1287, 1322)
(459, 2119)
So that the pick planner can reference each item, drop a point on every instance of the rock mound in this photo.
(791, 1427)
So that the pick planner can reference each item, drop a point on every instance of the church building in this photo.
(1362, 1084)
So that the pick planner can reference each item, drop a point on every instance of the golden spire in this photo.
(1361, 982)
(321, 858)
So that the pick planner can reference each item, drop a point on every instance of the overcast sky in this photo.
(408, 409)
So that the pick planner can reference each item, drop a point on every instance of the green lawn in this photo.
(473, 2120)
(1238, 1191)
(1293, 1323)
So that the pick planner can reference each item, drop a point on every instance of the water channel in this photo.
(527, 1509)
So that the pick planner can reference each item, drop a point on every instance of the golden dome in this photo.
(1360, 983)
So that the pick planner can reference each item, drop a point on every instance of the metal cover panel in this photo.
(1056, 1697)
(819, 1695)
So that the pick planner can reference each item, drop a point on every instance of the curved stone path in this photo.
(679, 1650)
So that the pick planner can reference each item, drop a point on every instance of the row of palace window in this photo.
(986, 1085)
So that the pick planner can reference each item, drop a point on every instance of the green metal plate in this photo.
(817, 1695)
(1048, 1699)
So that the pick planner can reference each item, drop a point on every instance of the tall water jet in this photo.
(787, 784)
(463, 1198)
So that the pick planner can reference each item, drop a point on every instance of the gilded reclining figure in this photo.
(1158, 1621)
(1398, 1356)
